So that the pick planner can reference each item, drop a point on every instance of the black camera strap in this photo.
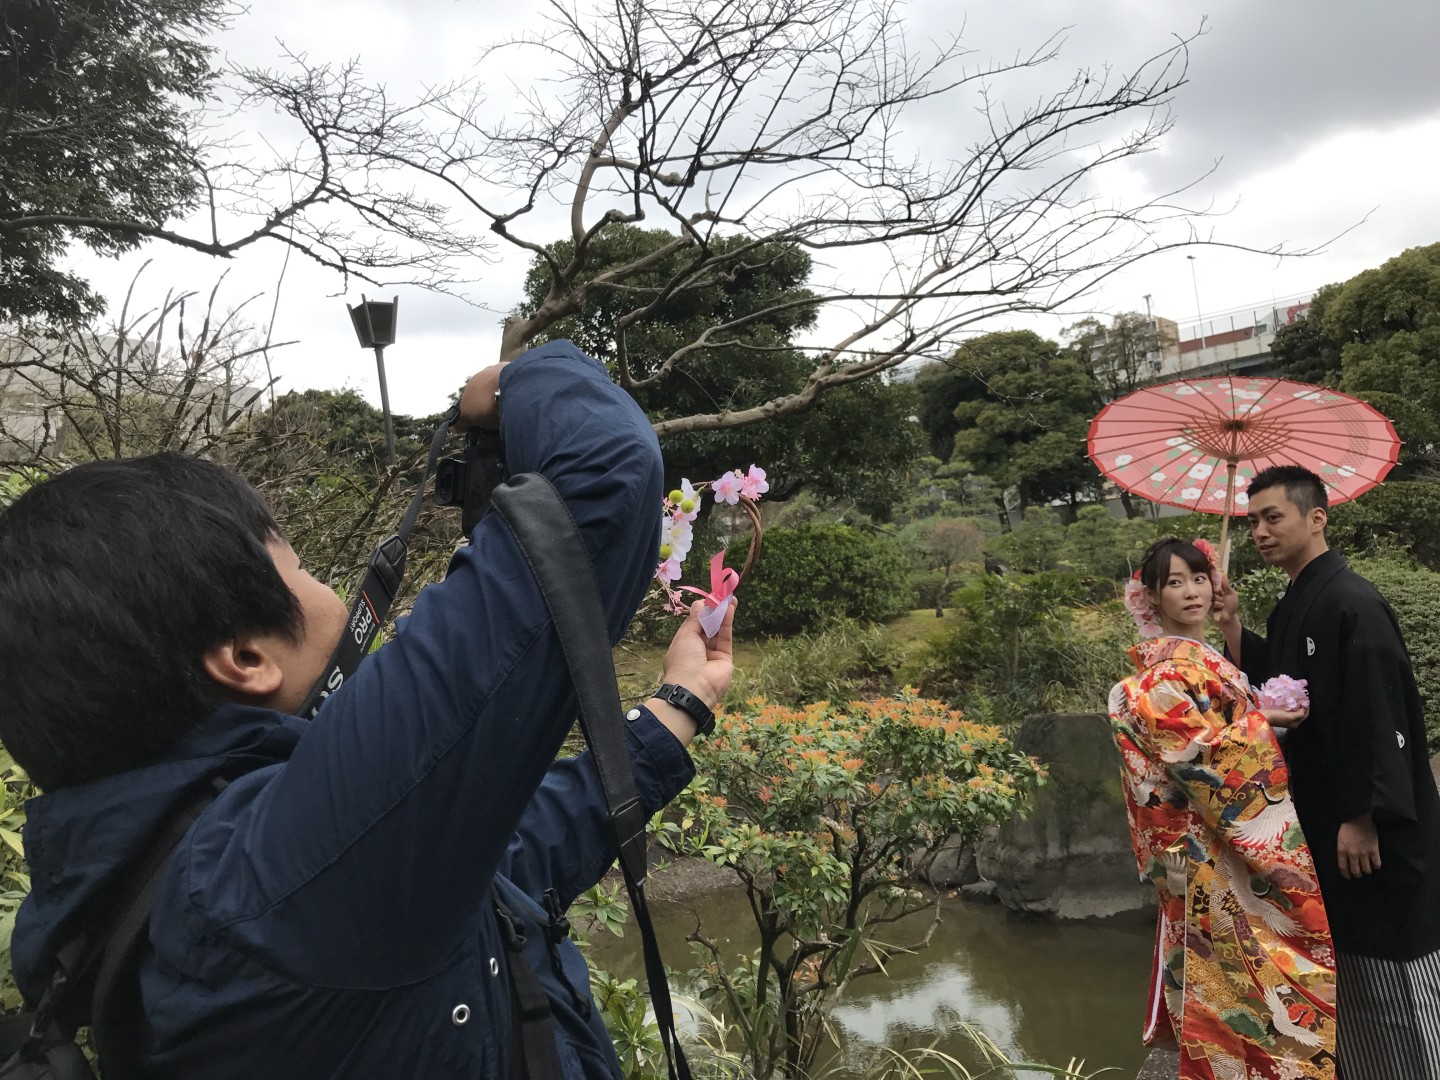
(551, 543)
(377, 591)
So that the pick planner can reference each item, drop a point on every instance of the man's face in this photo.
(322, 622)
(1282, 532)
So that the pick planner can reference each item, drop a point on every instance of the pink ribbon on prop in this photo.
(723, 581)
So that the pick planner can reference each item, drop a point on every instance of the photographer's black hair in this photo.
(1305, 489)
(1155, 565)
(116, 577)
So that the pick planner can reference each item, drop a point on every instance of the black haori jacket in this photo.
(1361, 749)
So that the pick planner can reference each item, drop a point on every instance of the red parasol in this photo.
(1188, 442)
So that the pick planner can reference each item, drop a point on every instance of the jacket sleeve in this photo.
(388, 823)
(1366, 742)
(564, 841)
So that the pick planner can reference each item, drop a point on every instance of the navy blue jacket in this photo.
(330, 912)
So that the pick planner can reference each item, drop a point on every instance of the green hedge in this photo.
(1399, 516)
(812, 574)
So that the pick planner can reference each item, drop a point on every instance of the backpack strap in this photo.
(551, 543)
(116, 1012)
(39, 1037)
(534, 1053)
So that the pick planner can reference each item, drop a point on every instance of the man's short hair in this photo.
(116, 577)
(1305, 489)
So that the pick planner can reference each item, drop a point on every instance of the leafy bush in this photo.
(1018, 648)
(1259, 591)
(1396, 517)
(809, 575)
(826, 815)
(933, 589)
(15, 788)
(16, 483)
(1104, 546)
(842, 661)
(1034, 545)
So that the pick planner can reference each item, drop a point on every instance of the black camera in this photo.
(468, 479)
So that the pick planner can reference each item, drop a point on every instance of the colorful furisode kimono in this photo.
(1244, 973)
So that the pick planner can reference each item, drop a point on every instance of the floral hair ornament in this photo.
(1141, 607)
(1204, 547)
(678, 511)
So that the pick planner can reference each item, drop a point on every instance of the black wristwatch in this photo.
(689, 704)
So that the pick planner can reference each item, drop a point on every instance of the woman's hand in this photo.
(1282, 719)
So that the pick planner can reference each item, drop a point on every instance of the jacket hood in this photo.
(79, 839)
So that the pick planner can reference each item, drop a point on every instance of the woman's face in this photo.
(1184, 599)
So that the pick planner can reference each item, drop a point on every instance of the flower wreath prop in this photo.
(678, 511)
(1142, 608)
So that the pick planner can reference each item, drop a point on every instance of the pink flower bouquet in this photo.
(1283, 692)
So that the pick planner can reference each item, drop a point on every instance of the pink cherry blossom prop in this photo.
(678, 510)
(753, 484)
(1283, 692)
(723, 581)
(727, 488)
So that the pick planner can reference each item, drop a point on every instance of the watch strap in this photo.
(689, 704)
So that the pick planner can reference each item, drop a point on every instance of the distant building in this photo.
(1236, 340)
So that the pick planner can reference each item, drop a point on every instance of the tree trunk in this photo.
(1130, 511)
(1002, 513)
(940, 596)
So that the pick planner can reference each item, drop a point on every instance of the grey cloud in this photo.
(1265, 80)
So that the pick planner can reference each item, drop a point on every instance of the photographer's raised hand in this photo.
(702, 665)
(480, 401)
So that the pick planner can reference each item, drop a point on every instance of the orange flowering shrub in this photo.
(828, 814)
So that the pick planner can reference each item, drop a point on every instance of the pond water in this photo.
(1042, 991)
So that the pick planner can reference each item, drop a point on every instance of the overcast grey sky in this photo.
(1317, 112)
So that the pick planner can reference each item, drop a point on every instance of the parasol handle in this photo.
(1225, 520)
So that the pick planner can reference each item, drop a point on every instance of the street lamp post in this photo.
(1195, 281)
(374, 322)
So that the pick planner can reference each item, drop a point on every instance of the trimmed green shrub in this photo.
(1396, 517)
(809, 575)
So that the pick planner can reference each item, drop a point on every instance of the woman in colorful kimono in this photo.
(1244, 972)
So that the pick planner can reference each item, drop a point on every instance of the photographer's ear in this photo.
(247, 669)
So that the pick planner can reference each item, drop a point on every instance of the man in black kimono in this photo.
(1360, 778)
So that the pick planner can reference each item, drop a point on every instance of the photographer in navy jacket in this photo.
(330, 913)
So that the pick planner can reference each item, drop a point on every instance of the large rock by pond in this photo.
(1070, 857)
(1160, 1065)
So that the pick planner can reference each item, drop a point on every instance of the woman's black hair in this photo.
(116, 577)
(1155, 566)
